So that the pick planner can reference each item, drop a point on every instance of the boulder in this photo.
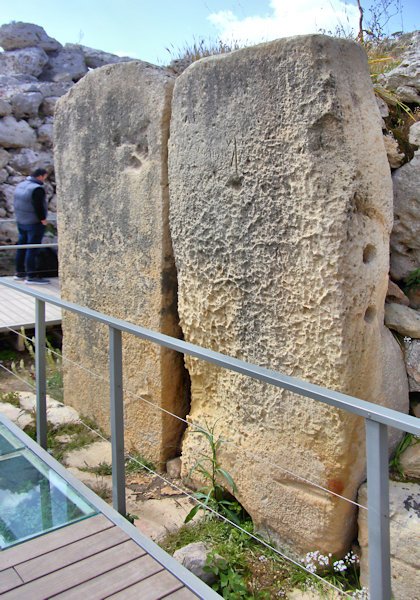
(29, 61)
(17, 35)
(410, 460)
(412, 364)
(65, 65)
(395, 157)
(3, 177)
(405, 238)
(173, 467)
(403, 319)
(4, 158)
(26, 104)
(110, 140)
(413, 295)
(194, 557)
(414, 134)
(6, 196)
(5, 108)
(97, 58)
(404, 80)
(405, 533)
(48, 105)
(16, 134)
(26, 160)
(281, 209)
(45, 133)
(395, 294)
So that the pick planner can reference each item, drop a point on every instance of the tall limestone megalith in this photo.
(280, 213)
(116, 256)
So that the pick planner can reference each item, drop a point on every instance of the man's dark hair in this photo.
(39, 172)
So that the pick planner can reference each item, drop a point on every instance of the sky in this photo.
(157, 30)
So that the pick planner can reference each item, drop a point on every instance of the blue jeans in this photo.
(25, 258)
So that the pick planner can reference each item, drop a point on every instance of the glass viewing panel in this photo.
(34, 499)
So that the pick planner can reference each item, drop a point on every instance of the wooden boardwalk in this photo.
(92, 559)
(18, 310)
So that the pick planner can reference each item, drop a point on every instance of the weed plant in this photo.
(136, 463)
(10, 398)
(395, 466)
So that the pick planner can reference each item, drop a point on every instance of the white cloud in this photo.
(287, 17)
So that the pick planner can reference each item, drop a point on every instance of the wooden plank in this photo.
(55, 539)
(73, 575)
(71, 553)
(153, 588)
(182, 594)
(9, 579)
(114, 581)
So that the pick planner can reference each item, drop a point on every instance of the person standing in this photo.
(31, 209)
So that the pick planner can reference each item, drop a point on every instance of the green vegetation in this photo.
(412, 280)
(396, 469)
(136, 463)
(10, 398)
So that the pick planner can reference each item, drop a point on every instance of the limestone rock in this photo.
(97, 58)
(65, 65)
(46, 133)
(90, 456)
(412, 363)
(403, 319)
(413, 295)
(395, 157)
(16, 134)
(3, 177)
(405, 238)
(410, 461)
(26, 104)
(4, 158)
(6, 196)
(22, 35)
(48, 105)
(281, 208)
(15, 414)
(157, 518)
(414, 134)
(110, 140)
(405, 79)
(5, 108)
(405, 533)
(193, 557)
(383, 107)
(27, 401)
(173, 467)
(24, 161)
(395, 294)
(28, 61)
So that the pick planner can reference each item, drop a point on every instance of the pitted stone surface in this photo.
(115, 248)
(281, 209)
(21, 35)
(28, 61)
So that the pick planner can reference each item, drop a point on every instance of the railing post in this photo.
(117, 420)
(40, 374)
(378, 510)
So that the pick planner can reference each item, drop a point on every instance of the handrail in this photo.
(22, 246)
(377, 419)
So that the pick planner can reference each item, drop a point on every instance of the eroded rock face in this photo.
(115, 247)
(281, 210)
(14, 36)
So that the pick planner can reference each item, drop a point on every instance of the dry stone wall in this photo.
(115, 249)
(280, 220)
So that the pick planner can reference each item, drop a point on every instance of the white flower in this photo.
(339, 566)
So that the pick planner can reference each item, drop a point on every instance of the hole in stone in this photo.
(369, 253)
(370, 314)
(235, 181)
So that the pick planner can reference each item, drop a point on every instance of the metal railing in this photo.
(377, 419)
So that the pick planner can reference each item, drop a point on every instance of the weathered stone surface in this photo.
(29, 61)
(412, 364)
(25, 160)
(3, 177)
(91, 456)
(405, 533)
(4, 157)
(46, 133)
(405, 238)
(413, 295)
(403, 319)
(395, 294)
(48, 105)
(16, 134)
(173, 467)
(281, 208)
(15, 414)
(405, 79)
(65, 65)
(193, 557)
(21, 35)
(395, 157)
(110, 136)
(6, 195)
(5, 108)
(97, 58)
(410, 461)
(159, 517)
(26, 105)
(414, 134)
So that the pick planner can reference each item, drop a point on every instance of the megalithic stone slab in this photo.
(281, 211)
(115, 249)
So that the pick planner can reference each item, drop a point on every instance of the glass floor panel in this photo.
(34, 499)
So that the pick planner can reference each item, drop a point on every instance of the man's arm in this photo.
(38, 197)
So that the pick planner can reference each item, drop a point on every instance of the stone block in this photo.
(281, 210)
(28, 61)
(403, 319)
(26, 104)
(16, 134)
(5, 108)
(115, 247)
(4, 158)
(65, 65)
(21, 35)
(405, 534)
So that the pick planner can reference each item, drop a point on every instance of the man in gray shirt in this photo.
(31, 209)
